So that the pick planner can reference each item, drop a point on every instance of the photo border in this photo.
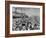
(7, 18)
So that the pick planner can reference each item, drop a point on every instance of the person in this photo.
(35, 26)
(29, 24)
(17, 28)
(23, 27)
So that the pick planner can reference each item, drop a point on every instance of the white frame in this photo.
(20, 32)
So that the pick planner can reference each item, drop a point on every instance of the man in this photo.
(29, 24)
(23, 27)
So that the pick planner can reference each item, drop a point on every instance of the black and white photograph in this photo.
(25, 18)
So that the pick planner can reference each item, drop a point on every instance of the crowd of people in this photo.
(23, 24)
